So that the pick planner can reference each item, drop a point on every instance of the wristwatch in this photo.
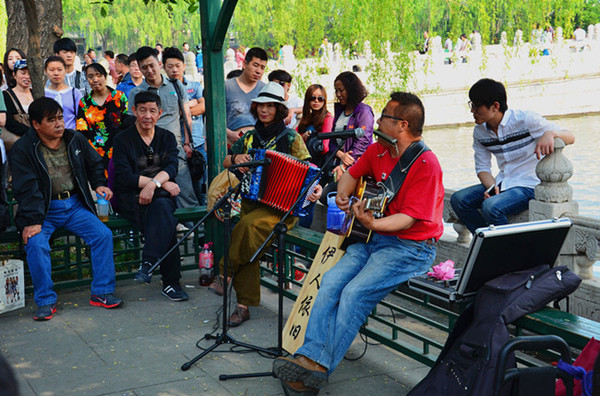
(158, 185)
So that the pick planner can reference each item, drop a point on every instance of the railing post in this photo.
(554, 198)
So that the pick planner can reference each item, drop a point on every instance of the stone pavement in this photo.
(139, 348)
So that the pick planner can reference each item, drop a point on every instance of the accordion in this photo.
(279, 184)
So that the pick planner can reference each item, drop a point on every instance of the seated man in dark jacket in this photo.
(52, 170)
(145, 159)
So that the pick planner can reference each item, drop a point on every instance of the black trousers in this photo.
(158, 224)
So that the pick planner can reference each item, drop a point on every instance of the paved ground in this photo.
(139, 349)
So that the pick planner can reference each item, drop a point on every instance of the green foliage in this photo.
(125, 25)
(3, 23)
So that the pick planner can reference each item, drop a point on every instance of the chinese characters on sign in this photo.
(328, 254)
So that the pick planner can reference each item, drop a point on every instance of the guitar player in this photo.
(402, 245)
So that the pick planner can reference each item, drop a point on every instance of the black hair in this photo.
(234, 73)
(109, 53)
(159, 45)
(145, 52)
(122, 59)
(97, 67)
(356, 91)
(131, 58)
(280, 114)
(256, 52)
(42, 108)
(146, 97)
(280, 75)
(487, 91)
(89, 51)
(411, 109)
(64, 44)
(10, 74)
(54, 58)
(172, 53)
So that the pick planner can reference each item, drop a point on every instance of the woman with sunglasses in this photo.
(315, 119)
(258, 220)
(351, 113)
(102, 113)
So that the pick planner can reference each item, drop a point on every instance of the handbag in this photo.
(196, 162)
(21, 117)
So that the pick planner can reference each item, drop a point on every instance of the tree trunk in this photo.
(42, 19)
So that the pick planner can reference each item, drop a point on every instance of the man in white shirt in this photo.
(518, 139)
(66, 49)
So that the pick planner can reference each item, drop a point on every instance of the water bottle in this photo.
(205, 262)
(335, 216)
(103, 207)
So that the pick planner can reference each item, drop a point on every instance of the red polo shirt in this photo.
(420, 197)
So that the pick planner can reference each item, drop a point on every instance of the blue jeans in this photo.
(475, 212)
(353, 287)
(73, 216)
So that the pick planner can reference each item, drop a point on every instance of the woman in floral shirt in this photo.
(101, 113)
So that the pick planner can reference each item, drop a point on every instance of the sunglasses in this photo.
(319, 99)
(282, 83)
(150, 156)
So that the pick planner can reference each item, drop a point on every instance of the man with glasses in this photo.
(518, 139)
(402, 245)
(53, 169)
(294, 103)
(145, 158)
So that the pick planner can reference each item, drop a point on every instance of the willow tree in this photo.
(33, 26)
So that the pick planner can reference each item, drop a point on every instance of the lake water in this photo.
(453, 147)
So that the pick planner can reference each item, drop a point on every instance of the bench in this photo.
(415, 324)
(71, 265)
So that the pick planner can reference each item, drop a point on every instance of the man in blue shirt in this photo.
(175, 67)
(132, 78)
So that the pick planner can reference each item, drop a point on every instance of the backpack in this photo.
(467, 363)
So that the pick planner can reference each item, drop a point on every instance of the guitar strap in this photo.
(394, 181)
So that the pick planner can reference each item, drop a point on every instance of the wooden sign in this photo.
(327, 256)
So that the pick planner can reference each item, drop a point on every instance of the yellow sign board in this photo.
(327, 256)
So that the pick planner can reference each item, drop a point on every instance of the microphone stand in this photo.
(281, 229)
(222, 338)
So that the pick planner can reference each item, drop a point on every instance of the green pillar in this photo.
(214, 19)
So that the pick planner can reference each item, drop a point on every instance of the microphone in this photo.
(252, 164)
(385, 138)
(349, 133)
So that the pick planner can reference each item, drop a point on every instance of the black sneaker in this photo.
(143, 275)
(105, 301)
(45, 312)
(174, 293)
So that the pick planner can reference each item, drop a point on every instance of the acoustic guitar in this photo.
(367, 188)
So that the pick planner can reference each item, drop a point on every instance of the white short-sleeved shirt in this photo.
(513, 147)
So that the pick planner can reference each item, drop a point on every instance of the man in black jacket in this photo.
(51, 168)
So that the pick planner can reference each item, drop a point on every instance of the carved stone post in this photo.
(553, 198)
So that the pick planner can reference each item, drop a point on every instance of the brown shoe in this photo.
(300, 369)
(297, 388)
(239, 316)
(216, 286)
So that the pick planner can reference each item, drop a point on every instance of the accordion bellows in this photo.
(279, 184)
